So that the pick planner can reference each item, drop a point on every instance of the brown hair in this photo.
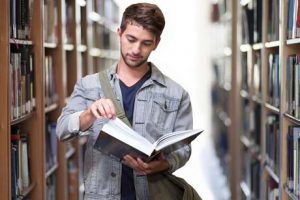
(149, 16)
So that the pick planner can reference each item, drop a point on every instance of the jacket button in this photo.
(113, 174)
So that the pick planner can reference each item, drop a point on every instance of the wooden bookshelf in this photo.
(261, 49)
(55, 62)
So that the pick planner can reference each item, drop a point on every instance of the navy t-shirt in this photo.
(128, 94)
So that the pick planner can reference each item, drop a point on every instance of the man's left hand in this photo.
(144, 168)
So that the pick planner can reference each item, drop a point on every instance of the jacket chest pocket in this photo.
(91, 96)
(163, 112)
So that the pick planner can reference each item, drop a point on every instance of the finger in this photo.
(108, 108)
(111, 107)
(100, 109)
(94, 111)
(142, 164)
(133, 163)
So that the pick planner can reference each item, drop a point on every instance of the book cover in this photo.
(117, 139)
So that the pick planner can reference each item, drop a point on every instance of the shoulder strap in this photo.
(109, 93)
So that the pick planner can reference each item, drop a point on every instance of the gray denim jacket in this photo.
(161, 106)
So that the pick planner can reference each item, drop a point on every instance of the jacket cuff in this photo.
(74, 123)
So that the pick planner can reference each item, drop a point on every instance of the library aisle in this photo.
(203, 171)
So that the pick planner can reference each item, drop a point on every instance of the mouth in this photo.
(133, 58)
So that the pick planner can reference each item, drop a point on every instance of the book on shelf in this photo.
(292, 85)
(20, 161)
(293, 173)
(117, 139)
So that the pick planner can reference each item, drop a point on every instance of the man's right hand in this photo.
(102, 108)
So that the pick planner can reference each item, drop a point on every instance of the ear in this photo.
(156, 42)
(119, 33)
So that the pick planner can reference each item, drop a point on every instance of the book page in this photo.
(118, 129)
(183, 137)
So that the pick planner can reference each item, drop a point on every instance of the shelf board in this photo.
(81, 3)
(104, 53)
(21, 42)
(246, 141)
(257, 99)
(50, 45)
(271, 173)
(70, 153)
(244, 94)
(26, 191)
(245, 47)
(272, 108)
(82, 48)
(223, 116)
(290, 193)
(251, 146)
(22, 118)
(51, 107)
(51, 170)
(272, 44)
(69, 47)
(293, 41)
(258, 46)
(227, 51)
(97, 18)
(292, 118)
(245, 2)
(245, 189)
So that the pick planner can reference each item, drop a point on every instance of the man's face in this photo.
(136, 44)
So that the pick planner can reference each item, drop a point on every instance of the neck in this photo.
(128, 75)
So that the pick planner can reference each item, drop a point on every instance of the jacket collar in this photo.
(156, 75)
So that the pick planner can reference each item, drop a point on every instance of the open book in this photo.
(117, 139)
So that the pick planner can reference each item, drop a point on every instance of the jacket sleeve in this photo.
(68, 122)
(184, 121)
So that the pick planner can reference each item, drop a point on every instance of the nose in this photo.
(136, 48)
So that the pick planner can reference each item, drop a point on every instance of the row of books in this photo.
(272, 189)
(293, 173)
(274, 80)
(252, 22)
(51, 145)
(251, 173)
(51, 192)
(50, 21)
(51, 96)
(251, 122)
(20, 18)
(257, 80)
(293, 24)
(252, 14)
(273, 20)
(246, 72)
(68, 18)
(107, 9)
(104, 38)
(21, 82)
(251, 75)
(293, 85)
(272, 142)
(51, 150)
(20, 171)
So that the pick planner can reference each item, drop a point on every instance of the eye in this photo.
(131, 39)
(147, 43)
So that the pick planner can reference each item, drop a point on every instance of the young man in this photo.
(153, 103)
